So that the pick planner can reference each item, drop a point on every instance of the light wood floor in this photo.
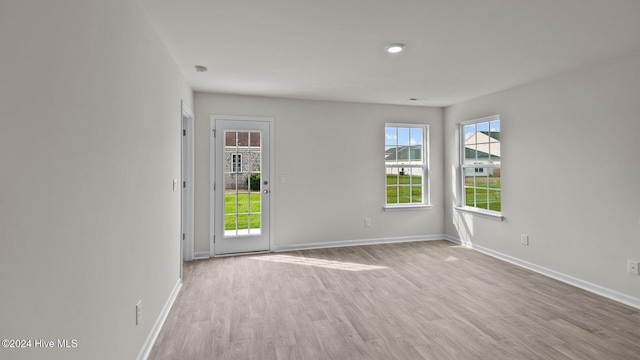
(422, 300)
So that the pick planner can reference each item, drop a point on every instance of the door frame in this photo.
(212, 175)
(187, 184)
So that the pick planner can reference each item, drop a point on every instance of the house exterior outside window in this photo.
(480, 164)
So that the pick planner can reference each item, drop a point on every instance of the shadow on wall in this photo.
(463, 222)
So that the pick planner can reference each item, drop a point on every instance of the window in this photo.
(236, 163)
(406, 163)
(480, 156)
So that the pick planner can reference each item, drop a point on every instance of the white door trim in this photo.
(187, 183)
(212, 168)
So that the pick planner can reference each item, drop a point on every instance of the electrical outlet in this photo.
(632, 267)
(367, 222)
(524, 239)
(138, 312)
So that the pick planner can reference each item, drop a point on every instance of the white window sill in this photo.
(407, 207)
(494, 215)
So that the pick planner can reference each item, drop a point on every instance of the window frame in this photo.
(426, 184)
(462, 203)
(236, 163)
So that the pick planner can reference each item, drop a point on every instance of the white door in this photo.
(242, 184)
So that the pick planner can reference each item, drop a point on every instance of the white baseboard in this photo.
(453, 239)
(155, 330)
(344, 243)
(201, 255)
(585, 285)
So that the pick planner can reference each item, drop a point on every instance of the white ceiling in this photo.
(334, 49)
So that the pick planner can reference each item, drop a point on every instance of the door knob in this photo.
(265, 191)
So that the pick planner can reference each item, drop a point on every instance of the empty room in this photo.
(208, 179)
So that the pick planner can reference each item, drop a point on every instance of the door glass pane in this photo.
(243, 139)
(242, 202)
(230, 223)
(254, 203)
(230, 179)
(242, 157)
(255, 138)
(230, 138)
(255, 223)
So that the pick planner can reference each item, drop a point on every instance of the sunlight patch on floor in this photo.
(329, 264)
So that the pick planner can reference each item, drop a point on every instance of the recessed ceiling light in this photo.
(200, 68)
(394, 48)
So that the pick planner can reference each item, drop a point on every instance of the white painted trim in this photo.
(345, 243)
(493, 215)
(155, 330)
(585, 285)
(272, 172)
(407, 207)
(212, 179)
(452, 239)
(481, 120)
(201, 255)
(187, 199)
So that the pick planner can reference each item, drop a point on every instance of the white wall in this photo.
(569, 174)
(89, 145)
(332, 154)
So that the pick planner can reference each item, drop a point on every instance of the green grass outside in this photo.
(248, 211)
(485, 194)
(401, 189)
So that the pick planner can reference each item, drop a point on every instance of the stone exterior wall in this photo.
(250, 163)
